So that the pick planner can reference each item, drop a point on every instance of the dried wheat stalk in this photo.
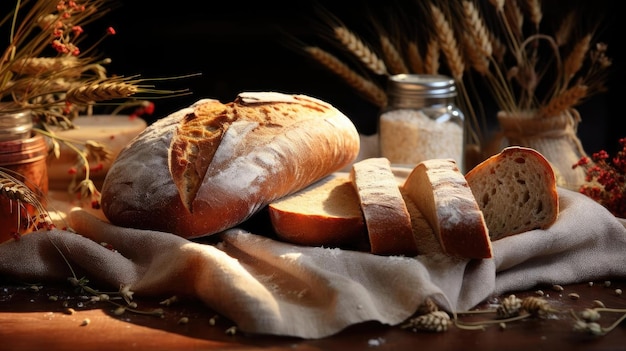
(18, 193)
(563, 101)
(477, 28)
(534, 8)
(513, 19)
(371, 91)
(100, 91)
(564, 32)
(393, 58)
(362, 52)
(475, 57)
(448, 43)
(431, 62)
(43, 65)
(498, 4)
(416, 63)
(574, 61)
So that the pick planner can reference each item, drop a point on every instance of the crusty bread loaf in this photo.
(326, 213)
(211, 166)
(516, 190)
(386, 217)
(443, 196)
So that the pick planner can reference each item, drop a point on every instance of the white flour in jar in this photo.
(409, 137)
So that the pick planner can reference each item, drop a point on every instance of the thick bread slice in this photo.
(210, 167)
(443, 196)
(386, 216)
(326, 213)
(516, 190)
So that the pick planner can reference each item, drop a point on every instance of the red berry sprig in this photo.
(606, 179)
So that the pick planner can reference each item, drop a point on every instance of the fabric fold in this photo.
(271, 287)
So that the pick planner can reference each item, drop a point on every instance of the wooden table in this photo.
(51, 317)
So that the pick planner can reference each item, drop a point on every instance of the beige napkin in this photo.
(270, 287)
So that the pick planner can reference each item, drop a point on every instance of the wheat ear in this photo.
(574, 61)
(17, 191)
(564, 101)
(513, 20)
(534, 8)
(371, 91)
(362, 52)
(477, 28)
(564, 32)
(43, 65)
(416, 63)
(393, 59)
(477, 60)
(431, 60)
(448, 43)
(97, 91)
(498, 4)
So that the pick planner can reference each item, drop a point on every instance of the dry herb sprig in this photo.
(46, 69)
(606, 179)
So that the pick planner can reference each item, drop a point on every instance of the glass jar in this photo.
(23, 157)
(421, 120)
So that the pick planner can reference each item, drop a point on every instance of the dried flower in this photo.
(509, 307)
(606, 179)
(436, 321)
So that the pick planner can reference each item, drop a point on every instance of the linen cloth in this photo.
(270, 287)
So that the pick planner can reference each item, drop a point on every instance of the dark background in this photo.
(244, 46)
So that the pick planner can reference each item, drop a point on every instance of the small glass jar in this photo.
(421, 120)
(23, 157)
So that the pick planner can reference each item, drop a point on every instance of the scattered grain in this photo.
(573, 296)
(557, 287)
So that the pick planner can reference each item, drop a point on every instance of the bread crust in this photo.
(442, 195)
(274, 144)
(386, 216)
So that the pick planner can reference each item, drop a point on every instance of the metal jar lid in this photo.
(15, 125)
(421, 86)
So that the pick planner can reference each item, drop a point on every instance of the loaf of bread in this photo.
(386, 216)
(439, 190)
(326, 213)
(516, 191)
(211, 166)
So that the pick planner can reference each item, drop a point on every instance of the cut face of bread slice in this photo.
(386, 216)
(516, 190)
(326, 213)
(441, 193)
(425, 239)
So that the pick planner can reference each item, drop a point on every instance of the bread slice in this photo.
(516, 190)
(386, 216)
(326, 213)
(443, 196)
